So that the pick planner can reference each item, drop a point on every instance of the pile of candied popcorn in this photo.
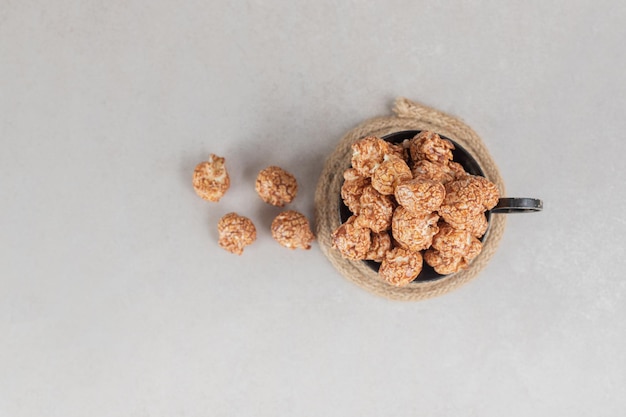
(411, 203)
(274, 185)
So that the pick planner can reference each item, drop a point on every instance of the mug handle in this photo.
(518, 205)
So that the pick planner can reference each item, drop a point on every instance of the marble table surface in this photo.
(116, 300)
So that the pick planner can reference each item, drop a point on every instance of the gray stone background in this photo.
(115, 299)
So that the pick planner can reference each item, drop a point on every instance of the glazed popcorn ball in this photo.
(466, 198)
(210, 179)
(276, 186)
(450, 241)
(352, 189)
(368, 153)
(476, 226)
(400, 267)
(235, 232)
(375, 211)
(420, 195)
(391, 172)
(291, 229)
(452, 249)
(430, 146)
(381, 244)
(413, 231)
(352, 240)
(442, 173)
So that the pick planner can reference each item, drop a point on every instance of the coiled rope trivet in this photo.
(408, 116)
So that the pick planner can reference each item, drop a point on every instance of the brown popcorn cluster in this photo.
(235, 232)
(210, 179)
(277, 187)
(291, 229)
(411, 203)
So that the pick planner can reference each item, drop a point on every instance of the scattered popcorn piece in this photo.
(368, 153)
(376, 210)
(276, 186)
(400, 267)
(235, 232)
(413, 231)
(420, 195)
(391, 172)
(352, 189)
(210, 179)
(430, 146)
(468, 197)
(352, 241)
(381, 244)
(291, 229)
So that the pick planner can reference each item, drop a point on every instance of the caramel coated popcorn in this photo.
(210, 179)
(451, 241)
(352, 240)
(420, 195)
(444, 265)
(435, 210)
(368, 153)
(430, 146)
(381, 244)
(352, 189)
(468, 197)
(413, 231)
(391, 172)
(452, 249)
(476, 226)
(291, 229)
(276, 186)
(235, 232)
(442, 173)
(400, 267)
(375, 211)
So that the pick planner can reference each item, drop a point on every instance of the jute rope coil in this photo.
(408, 115)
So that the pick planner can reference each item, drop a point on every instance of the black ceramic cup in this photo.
(463, 157)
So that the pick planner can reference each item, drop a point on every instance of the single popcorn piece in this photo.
(413, 231)
(430, 146)
(391, 172)
(444, 265)
(235, 232)
(400, 267)
(368, 153)
(291, 229)
(276, 186)
(210, 179)
(352, 189)
(420, 195)
(476, 226)
(381, 244)
(452, 249)
(351, 240)
(450, 241)
(468, 197)
(375, 210)
(442, 173)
